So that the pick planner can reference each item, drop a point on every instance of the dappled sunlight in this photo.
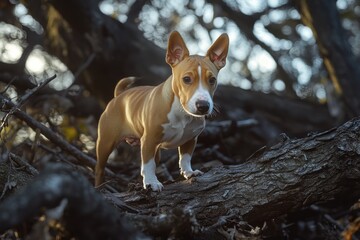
(36, 62)
(303, 70)
(39, 63)
(259, 71)
(185, 16)
(10, 43)
(260, 66)
(27, 20)
(11, 52)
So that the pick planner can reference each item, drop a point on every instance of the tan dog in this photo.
(169, 115)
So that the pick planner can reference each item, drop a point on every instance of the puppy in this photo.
(170, 115)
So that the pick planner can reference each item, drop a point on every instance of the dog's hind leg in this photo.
(105, 143)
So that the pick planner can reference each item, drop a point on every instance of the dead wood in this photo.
(59, 192)
(275, 181)
(12, 109)
(11, 178)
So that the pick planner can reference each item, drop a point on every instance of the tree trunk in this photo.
(275, 181)
(323, 18)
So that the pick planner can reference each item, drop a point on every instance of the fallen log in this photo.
(274, 181)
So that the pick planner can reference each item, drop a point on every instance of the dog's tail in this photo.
(123, 84)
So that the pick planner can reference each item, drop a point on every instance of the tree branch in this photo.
(113, 43)
(246, 25)
(275, 181)
(53, 137)
(135, 10)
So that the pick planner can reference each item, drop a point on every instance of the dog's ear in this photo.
(218, 51)
(176, 50)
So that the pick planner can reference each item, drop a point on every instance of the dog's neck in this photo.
(167, 92)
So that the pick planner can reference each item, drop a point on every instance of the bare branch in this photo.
(31, 92)
(52, 136)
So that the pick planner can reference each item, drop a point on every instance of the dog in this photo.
(169, 115)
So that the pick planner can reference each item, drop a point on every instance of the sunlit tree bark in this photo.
(343, 69)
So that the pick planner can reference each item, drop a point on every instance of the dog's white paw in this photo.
(189, 174)
(149, 177)
(154, 185)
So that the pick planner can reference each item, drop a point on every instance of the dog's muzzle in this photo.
(202, 106)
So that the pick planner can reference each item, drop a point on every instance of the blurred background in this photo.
(292, 64)
(271, 48)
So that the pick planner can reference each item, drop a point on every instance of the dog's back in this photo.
(123, 84)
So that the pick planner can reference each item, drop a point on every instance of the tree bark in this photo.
(323, 18)
(275, 181)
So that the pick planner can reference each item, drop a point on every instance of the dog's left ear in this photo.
(176, 50)
(218, 51)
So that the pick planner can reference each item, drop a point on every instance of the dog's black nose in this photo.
(202, 106)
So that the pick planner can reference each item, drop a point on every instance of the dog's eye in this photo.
(212, 81)
(187, 80)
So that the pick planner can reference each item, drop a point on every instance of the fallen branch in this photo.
(7, 105)
(32, 91)
(21, 101)
(281, 179)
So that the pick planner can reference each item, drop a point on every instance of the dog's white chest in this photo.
(181, 127)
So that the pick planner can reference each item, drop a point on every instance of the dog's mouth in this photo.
(197, 113)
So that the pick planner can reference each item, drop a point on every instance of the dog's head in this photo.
(194, 78)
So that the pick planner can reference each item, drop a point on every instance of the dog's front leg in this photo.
(148, 165)
(185, 153)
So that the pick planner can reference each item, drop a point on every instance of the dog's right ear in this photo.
(219, 50)
(176, 50)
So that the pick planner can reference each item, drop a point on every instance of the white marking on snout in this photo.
(199, 72)
(200, 94)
